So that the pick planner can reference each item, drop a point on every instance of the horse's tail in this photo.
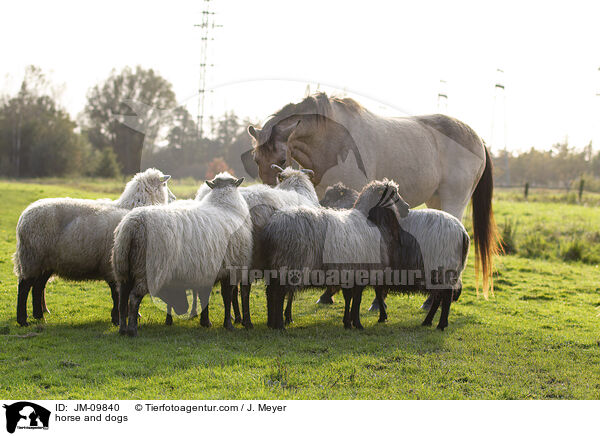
(486, 237)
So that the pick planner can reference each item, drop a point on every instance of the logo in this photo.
(26, 415)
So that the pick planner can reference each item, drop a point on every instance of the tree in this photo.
(126, 111)
(107, 164)
(37, 137)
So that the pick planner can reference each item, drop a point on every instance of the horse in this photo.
(435, 159)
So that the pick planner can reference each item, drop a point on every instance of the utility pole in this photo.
(206, 26)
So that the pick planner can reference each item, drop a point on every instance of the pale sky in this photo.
(388, 55)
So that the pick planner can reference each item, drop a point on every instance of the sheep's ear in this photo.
(210, 184)
(164, 178)
(310, 173)
(239, 181)
(403, 207)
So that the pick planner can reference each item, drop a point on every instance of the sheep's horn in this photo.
(276, 167)
(307, 171)
(165, 178)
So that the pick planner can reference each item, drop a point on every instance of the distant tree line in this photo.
(130, 119)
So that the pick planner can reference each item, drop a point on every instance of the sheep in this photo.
(363, 239)
(72, 238)
(315, 239)
(189, 244)
(294, 188)
(431, 244)
(339, 196)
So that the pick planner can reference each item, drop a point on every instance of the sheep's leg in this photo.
(114, 313)
(355, 310)
(435, 303)
(288, 308)
(347, 301)
(327, 297)
(456, 292)
(124, 289)
(246, 322)
(278, 300)
(194, 311)
(44, 306)
(236, 305)
(38, 295)
(135, 298)
(226, 290)
(379, 295)
(169, 317)
(204, 318)
(446, 301)
(23, 292)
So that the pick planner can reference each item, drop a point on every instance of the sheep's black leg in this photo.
(194, 311)
(114, 313)
(375, 305)
(446, 301)
(124, 289)
(278, 300)
(270, 306)
(436, 298)
(169, 317)
(288, 308)
(355, 310)
(44, 306)
(347, 301)
(38, 295)
(379, 295)
(23, 293)
(427, 303)
(226, 289)
(204, 318)
(236, 305)
(327, 297)
(135, 300)
(456, 292)
(246, 321)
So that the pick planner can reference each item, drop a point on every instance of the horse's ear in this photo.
(253, 132)
(250, 165)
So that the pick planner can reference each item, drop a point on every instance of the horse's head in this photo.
(271, 147)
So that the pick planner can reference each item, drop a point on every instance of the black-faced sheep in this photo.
(72, 238)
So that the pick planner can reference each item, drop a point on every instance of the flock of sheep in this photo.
(149, 242)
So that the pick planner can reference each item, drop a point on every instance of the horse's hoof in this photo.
(426, 324)
(382, 320)
(169, 320)
(347, 326)
(123, 331)
(23, 323)
(228, 327)
(206, 324)
(359, 326)
(441, 327)
(115, 322)
(249, 326)
(427, 304)
(132, 333)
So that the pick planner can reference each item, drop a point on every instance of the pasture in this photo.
(537, 338)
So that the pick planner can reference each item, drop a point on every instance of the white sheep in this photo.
(188, 244)
(72, 238)
(294, 188)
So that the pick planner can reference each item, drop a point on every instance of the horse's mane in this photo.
(316, 104)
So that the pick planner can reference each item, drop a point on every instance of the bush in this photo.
(216, 166)
(535, 247)
(509, 232)
(572, 252)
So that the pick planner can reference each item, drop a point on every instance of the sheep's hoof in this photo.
(288, 321)
(115, 322)
(229, 327)
(382, 320)
(441, 327)
(249, 326)
(238, 320)
(206, 324)
(325, 299)
(23, 323)
(358, 326)
(427, 304)
(193, 315)
(347, 325)
(132, 333)
(169, 320)
(123, 331)
(426, 323)
(38, 315)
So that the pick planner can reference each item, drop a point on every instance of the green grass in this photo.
(537, 338)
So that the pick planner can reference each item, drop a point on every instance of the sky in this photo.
(390, 56)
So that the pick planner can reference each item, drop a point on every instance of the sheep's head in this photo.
(289, 173)
(336, 194)
(147, 188)
(224, 181)
(382, 194)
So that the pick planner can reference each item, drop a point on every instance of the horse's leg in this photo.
(23, 292)
(376, 304)
(379, 296)
(437, 298)
(246, 321)
(236, 305)
(446, 302)
(288, 308)
(347, 292)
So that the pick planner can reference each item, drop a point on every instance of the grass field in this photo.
(537, 338)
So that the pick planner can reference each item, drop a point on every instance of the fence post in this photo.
(526, 193)
(581, 185)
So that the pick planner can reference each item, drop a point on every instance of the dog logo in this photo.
(26, 415)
